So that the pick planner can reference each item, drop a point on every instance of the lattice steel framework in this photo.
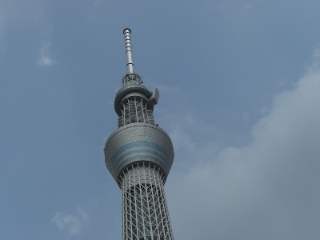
(135, 109)
(139, 156)
(145, 213)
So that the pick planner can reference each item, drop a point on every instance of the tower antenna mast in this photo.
(127, 38)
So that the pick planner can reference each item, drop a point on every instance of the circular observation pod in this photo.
(136, 143)
(129, 89)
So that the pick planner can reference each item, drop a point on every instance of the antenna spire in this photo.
(130, 64)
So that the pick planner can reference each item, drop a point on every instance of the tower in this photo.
(139, 155)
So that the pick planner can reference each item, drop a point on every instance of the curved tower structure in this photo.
(139, 156)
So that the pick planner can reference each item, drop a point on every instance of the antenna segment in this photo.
(126, 33)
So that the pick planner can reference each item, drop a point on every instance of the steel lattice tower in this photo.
(139, 156)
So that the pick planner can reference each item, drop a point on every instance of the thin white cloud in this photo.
(266, 190)
(73, 224)
(97, 3)
(44, 57)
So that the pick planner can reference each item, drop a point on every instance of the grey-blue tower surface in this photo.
(139, 156)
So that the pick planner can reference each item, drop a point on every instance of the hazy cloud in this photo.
(44, 57)
(71, 223)
(266, 190)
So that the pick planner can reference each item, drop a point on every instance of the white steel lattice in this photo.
(135, 109)
(145, 214)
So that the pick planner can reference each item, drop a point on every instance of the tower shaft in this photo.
(144, 209)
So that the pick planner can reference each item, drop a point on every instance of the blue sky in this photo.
(239, 95)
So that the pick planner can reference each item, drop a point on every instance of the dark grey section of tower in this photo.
(139, 155)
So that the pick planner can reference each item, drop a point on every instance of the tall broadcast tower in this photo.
(139, 156)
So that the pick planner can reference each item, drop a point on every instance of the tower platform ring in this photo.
(127, 90)
(138, 142)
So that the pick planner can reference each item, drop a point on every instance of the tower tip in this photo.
(126, 29)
